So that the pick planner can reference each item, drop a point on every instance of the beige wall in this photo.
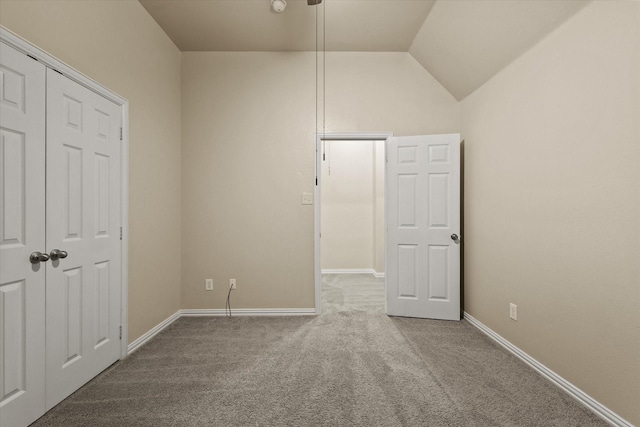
(552, 184)
(248, 154)
(119, 45)
(353, 206)
(350, 214)
(386, 92)
(378, 200)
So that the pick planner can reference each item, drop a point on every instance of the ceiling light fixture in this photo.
(278, 5)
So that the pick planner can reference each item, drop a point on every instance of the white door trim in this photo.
(50, 61)
(332, 136)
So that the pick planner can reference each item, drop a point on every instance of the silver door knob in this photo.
(454, 237)
(58, 254)
(37, 257)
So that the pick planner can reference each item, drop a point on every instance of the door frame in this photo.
(50, 61)
(334, 136)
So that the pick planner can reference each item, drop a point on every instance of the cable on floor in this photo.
(227, 308)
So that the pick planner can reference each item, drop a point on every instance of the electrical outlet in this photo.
(208, 284)
(232, 283)
(513, 311)
(307, 198)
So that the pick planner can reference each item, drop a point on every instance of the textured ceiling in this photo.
(462, 43)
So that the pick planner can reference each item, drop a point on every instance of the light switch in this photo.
(307, 198)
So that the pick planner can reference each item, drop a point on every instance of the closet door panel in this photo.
(83, 193)
(22, 232)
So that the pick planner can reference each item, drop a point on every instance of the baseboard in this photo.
(599, 409)
(189, 312)
(153, 332)
(352, 271)
(378, 275)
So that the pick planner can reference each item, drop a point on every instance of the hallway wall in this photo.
(352, 186)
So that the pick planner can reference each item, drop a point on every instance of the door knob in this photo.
(454, 237)
(58, 254)
(37, 257)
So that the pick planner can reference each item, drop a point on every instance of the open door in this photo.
(423, 226)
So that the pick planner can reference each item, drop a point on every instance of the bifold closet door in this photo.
(83, 224)
(22, 232)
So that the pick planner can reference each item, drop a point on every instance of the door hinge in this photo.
(120, 332)
(120, 233)
(120, 134)
(316, 181)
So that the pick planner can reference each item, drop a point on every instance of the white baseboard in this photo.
(378, 275)
(189, 312)
(135, 345)
(352, 271)
(347, 271)
(599, 409)
(152, 332)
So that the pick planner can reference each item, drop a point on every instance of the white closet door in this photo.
(83, 220)
(22, 231)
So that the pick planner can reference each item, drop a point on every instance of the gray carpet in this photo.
(351, 366)
(352, 292)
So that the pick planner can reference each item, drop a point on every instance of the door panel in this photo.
(72, 182)
(22, 210)
(407, 283)
(83, 219)
(407, 186)
(423, 211)
(438, 265)
(439, 190)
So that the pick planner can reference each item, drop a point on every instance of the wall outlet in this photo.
(513, 311)
(208, 284)
(307, 198)
(232, 283)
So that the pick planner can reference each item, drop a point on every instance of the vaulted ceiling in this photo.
(462, 43)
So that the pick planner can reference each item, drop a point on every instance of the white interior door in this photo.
(423, 226)
(22, 231)
(83, 220)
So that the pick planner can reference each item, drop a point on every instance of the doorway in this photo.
(422, 223)
(349, 213)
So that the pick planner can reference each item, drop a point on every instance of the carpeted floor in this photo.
(352, 292)
(350, 366)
